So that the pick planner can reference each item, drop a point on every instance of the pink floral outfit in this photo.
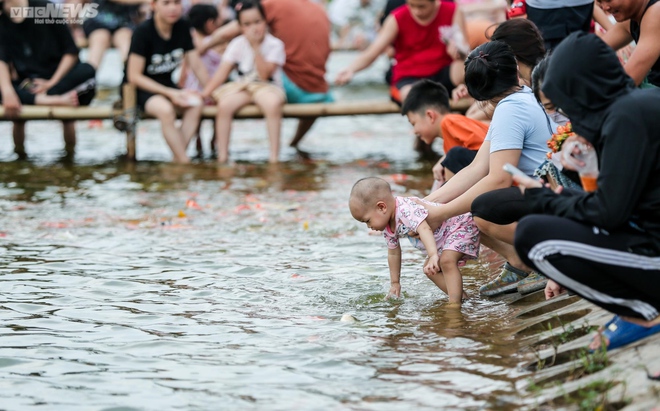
(458, 233)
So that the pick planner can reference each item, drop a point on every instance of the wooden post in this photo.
(130, 113)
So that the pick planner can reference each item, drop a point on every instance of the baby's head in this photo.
(372, 202)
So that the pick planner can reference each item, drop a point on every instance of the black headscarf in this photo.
(584, 91)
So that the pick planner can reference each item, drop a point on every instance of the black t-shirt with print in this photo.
(162, 56)
(35, 48)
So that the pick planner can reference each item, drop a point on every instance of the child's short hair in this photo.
(426, 94)
(247, 5)
(369, 190)
(199, 14)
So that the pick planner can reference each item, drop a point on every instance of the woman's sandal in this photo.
(618, 333)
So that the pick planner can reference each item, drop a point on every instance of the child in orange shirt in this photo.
(427, 109)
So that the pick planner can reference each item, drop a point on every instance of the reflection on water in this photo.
(155, 286)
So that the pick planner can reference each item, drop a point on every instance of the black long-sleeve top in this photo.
(586, 80)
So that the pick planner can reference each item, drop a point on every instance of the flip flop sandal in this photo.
(655, 377)
(619, 332)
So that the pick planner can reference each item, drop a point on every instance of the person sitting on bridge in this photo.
(39, 66)
(158, 48)
(112, 27)
(304, 28)
(414, 30)
(258, 57)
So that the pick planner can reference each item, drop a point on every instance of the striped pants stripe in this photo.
(618, 271)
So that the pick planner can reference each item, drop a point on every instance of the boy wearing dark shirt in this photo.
(39, 66)
(44, 58)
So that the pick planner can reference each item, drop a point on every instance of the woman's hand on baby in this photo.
(435, 217)
(432, 266)
(395, 291)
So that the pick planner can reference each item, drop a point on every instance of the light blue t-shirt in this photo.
(519, 123)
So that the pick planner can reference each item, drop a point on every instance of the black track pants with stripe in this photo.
(618, 271)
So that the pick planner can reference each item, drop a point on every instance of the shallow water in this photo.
(151, 286)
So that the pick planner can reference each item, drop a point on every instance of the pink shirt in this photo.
(211, 60)
(458, 233)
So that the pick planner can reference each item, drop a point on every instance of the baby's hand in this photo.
(432, 265)
(395, 291)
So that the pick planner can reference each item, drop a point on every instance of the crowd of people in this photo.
(529, 66)
(171, 57)
(603, 242)
(426, 39)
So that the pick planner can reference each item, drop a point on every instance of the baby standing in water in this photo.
(449, 246)
(258, 57)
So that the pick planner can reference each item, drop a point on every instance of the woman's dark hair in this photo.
(199, 14)
(247, 5)
(538, 74)
(524, 38)
(491, 70)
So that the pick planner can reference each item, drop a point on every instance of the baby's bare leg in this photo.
(454, 280)
(439, 280)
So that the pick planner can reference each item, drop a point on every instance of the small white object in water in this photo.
(347, 318)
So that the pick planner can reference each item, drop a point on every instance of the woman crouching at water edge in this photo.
(603, 245)
(158, 48)
(517, 134)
